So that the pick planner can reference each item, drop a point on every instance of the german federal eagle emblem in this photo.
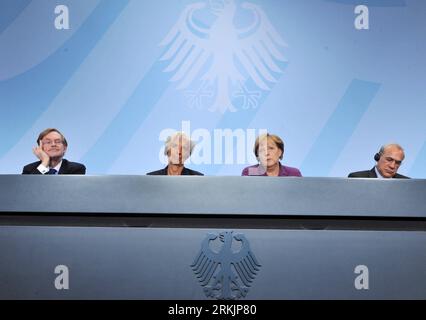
(225, 265)
(213, 61)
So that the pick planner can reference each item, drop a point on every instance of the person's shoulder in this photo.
(400, 176)
(247, 170)
(74, 164)
(291, 171)
(32, 164)
(191, 172)
(28, 168)
(360, 174)
(161, 172)
(73, 167)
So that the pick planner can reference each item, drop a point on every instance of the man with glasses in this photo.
(388, 159)
(50, 150)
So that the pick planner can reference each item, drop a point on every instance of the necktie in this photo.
(52, 171)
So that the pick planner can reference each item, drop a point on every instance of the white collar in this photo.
(379, 176)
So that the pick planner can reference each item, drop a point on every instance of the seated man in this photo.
(178, 148)
(389, 159)
(50, 151)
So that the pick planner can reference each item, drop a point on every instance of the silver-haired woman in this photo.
(178, 148)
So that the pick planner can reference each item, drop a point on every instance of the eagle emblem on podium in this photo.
(225, 265)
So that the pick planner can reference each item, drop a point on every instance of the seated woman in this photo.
(269, 149)
(178, 148)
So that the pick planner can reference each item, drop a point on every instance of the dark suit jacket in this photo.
(185, 172)
(372, 174)
(67, 167)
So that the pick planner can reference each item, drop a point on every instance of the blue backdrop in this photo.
(334, 80)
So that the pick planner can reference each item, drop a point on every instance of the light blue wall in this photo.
(337, 97)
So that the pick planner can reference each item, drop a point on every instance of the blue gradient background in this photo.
(342, 94)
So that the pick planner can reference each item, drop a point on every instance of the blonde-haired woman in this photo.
(269, 150)
(178, 148)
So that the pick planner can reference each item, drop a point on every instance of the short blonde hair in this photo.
(181, 136)
(277, 140)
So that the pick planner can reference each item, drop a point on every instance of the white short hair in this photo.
(396, 145)
(180, 135)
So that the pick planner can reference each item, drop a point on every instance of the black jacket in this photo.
(185, 172)
(372, 174)
(67, 167)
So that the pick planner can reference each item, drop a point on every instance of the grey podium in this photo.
(157, 237)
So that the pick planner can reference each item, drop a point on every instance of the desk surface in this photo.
(249, 196)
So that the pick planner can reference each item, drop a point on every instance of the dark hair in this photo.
(49, 130)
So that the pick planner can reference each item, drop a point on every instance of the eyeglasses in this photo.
(50, 142)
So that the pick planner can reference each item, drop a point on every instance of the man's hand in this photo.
(43, 156)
